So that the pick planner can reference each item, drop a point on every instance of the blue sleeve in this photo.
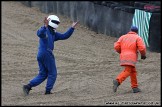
(65, 35)
(41, 32)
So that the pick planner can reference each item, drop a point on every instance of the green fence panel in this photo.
(141, 19)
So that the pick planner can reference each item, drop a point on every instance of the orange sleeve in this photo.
(141, 46)
(117, 46)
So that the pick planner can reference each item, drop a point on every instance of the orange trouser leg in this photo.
(124, 74)
(128, 71)
(133, 78)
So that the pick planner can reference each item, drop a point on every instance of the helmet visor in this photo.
(56, 22)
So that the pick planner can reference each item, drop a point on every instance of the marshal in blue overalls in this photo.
(45, 57)
(47, 68)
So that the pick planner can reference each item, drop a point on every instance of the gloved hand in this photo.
(143, 57)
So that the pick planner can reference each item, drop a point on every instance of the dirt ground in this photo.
(86, 63)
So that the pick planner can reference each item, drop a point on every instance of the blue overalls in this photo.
(45, 57)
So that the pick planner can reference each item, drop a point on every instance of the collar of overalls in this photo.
(132, 32)
(52, 31)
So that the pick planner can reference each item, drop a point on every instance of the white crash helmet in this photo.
(54, 21)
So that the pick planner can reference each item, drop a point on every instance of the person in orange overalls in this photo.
(128, 46)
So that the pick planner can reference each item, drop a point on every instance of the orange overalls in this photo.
(128, 46)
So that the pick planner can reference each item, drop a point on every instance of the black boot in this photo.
(115, 85)
(136, 90)
(48, 92)
(26, 89)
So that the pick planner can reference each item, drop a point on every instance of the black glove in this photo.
(143, 57)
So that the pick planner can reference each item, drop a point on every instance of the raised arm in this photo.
(42, 31)
(67, 34)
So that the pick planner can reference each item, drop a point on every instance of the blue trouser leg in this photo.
(52, 71)
(42, 73)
